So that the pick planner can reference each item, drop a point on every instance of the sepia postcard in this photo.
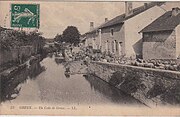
(89, 58)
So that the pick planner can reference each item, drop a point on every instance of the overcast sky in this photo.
(56, 16)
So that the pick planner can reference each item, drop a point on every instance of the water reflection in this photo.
(55, 86)
(67, 75)
(10, 87)
(110, 92)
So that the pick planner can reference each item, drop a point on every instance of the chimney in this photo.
(175, 11)
(145, 5)
(106, 19)
(128, 8)
(91, 26)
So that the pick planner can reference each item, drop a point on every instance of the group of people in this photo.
(89, 54)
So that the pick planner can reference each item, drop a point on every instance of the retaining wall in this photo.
(153, 87)
(15, 54)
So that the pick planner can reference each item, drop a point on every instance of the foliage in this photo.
(58, 38)
(71, 35)
(13, 38)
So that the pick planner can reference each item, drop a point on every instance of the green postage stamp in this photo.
(25, 15)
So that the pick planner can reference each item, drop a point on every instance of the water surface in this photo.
(45, 82)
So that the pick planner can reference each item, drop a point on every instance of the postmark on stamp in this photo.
(25, 15)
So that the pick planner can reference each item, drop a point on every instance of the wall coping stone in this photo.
(140, 68)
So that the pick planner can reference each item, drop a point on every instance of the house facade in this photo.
(120, 34)
(161, 38)
(93, 37)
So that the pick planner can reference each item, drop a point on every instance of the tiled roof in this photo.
(121, 18)
(164, 22)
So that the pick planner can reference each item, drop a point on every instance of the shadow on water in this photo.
(110, 92)
(102, 89)
(10, 87)
(65, 87)
(67, 75)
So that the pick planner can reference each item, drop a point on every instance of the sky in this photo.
(56, 16)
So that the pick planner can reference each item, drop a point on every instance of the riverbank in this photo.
(153, 82)
(17, 46)
(9, 82)
(153, 87)
(33, 86)
(27, 63)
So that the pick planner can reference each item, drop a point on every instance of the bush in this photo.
(13, 39)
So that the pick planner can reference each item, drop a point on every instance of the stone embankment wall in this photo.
(14, 55)
(13, 77)
(153, 87)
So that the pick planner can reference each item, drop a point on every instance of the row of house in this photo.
(147, 32)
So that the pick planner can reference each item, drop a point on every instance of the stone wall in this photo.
(13, 55)
(118, 36)
(153, 87)
(159, 45)
(11, 78)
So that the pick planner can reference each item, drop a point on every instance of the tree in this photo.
(58, 38)
(12, 39)
(71, 35)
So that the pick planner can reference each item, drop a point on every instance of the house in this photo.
(120, 34)
(161, 38)
(82, 42)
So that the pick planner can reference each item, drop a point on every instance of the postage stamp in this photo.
(25, 15)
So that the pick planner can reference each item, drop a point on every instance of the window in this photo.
(107, 45)
(93, 43)
(116, 44)
(112, 46)
(120, 48)
(97, 32)
(112, 31)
